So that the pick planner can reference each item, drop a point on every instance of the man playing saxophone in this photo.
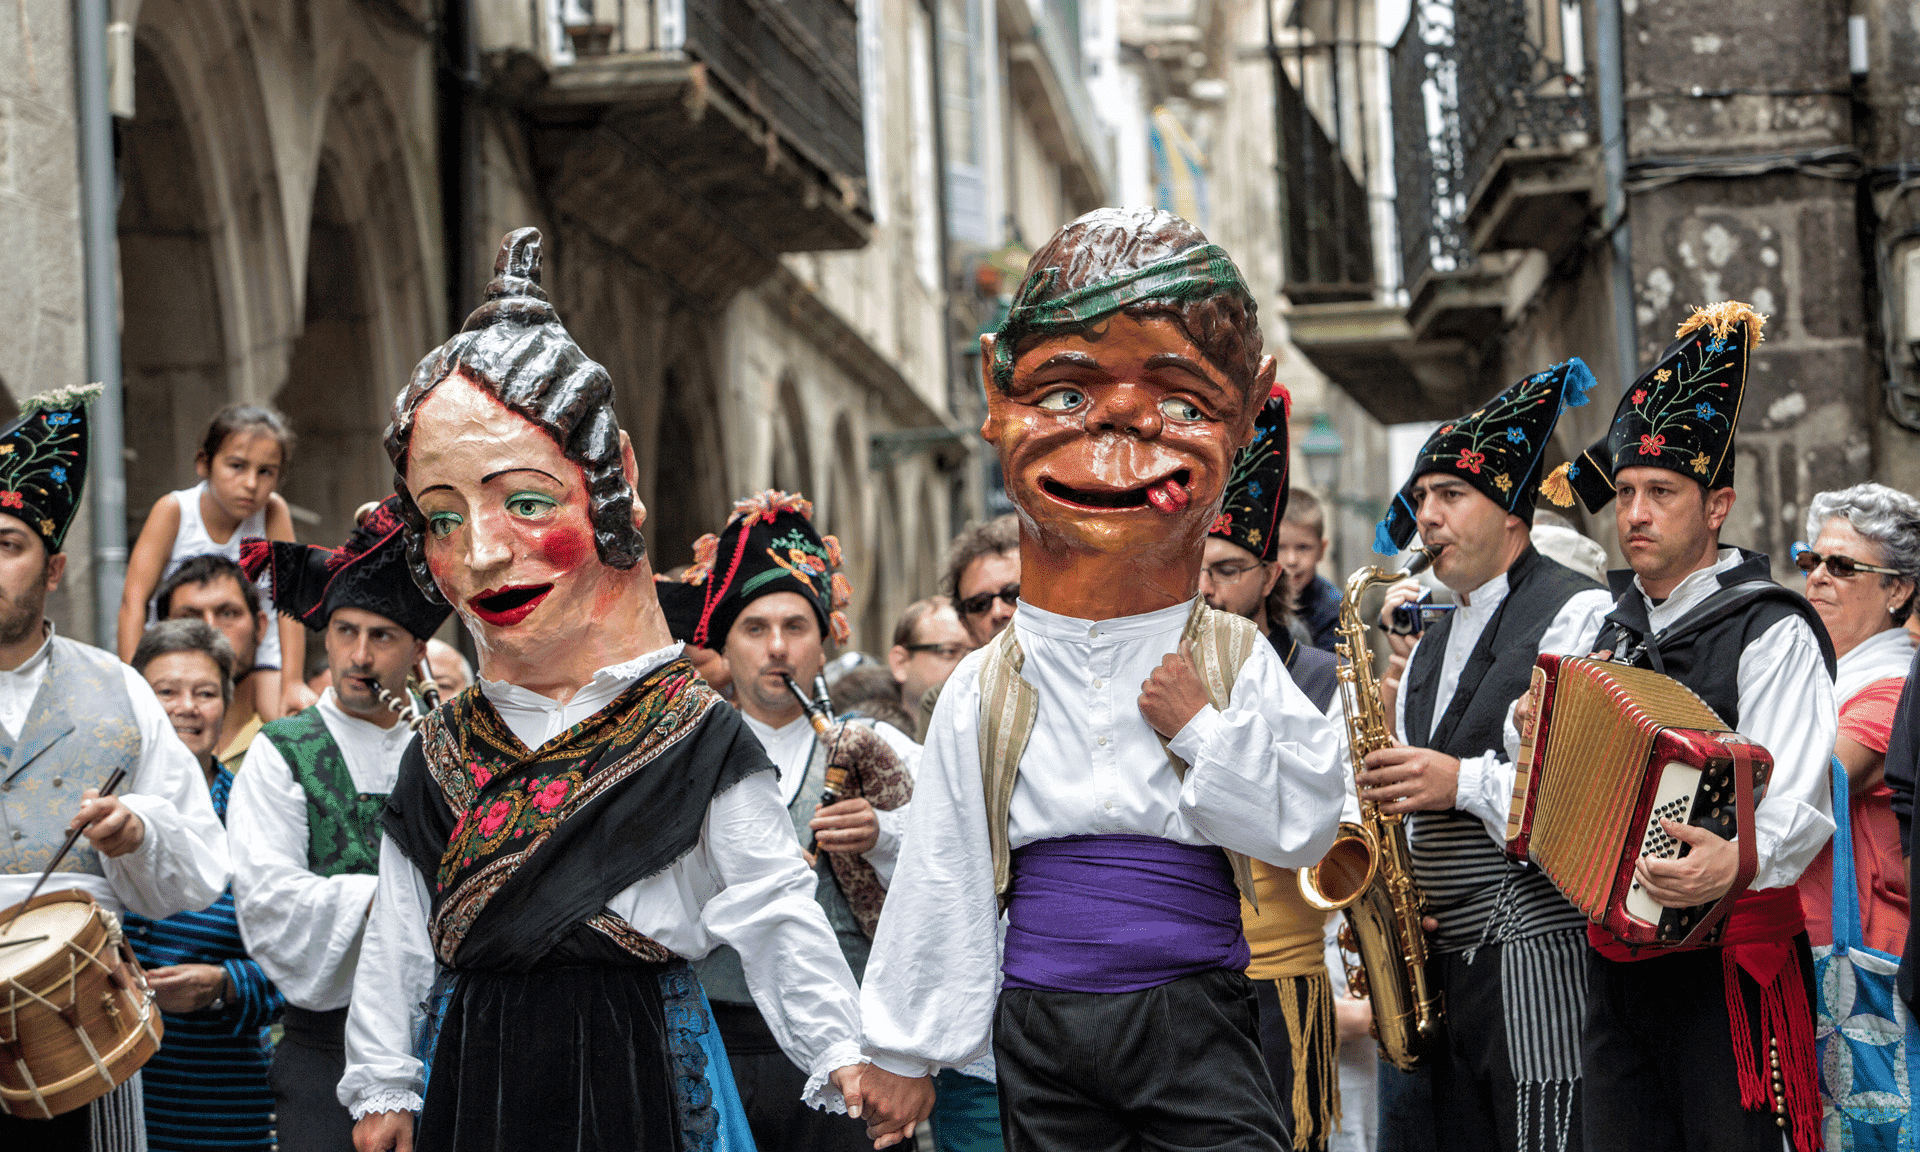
(1508, 951)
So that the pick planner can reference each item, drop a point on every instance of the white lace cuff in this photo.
(386, 1100)
(820, 1092)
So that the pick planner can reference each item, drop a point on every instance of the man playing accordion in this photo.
(1659, 1072)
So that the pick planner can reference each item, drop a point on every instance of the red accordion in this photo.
(1609, 752)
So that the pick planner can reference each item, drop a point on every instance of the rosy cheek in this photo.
(563, 547)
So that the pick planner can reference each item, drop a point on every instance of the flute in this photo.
(820, 713)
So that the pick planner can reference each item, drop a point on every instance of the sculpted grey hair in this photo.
(1886, 516)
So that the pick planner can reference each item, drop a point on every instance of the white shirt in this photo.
(1263, 780)
(304, 929)
(182, 863)
(1786, 707)
(790, 747)
(745, 884)
(1485, 786)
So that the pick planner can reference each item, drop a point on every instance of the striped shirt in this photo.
(207, 1086)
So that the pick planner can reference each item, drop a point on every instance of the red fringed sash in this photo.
(1778, 1074)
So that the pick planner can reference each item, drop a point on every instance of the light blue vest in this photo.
(78, 730)
(720, 970)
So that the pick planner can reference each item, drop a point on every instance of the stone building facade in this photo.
(1762, 152)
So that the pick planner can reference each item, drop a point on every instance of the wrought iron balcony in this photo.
(721, 131)
(1325, 221)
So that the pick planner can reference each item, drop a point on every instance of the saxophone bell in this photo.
(1343, 875)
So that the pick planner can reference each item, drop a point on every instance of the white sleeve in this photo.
(1262, 777)
(885, 854)
(767, 911)
(1485, 788)
(931, 980)
(390, 985)
(182, 862)
(303, 929)
(1786, 706)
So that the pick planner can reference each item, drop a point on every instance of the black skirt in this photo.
(567, 1059)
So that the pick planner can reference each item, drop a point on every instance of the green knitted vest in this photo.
(343, 826)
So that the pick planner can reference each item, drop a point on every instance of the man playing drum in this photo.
(70, 715)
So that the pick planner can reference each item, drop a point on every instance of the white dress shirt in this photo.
(1787, 707)
(1262, 780)
(181, 864)
(304, 929)
(745, 884)
(1485, 786)
(790, 747)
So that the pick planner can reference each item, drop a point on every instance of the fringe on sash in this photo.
(1314, 1099)
(1788, 1086)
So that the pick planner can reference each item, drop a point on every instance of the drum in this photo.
(76, 1016)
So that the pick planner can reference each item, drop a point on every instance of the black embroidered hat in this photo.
(43, 461)
(680, 603)
(1679, 415)
(769, 545)
(310, 583)
(1256, 494)
(1496, 448)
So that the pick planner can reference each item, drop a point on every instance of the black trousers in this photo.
(1658, 1062)
(69, 1132)
(1169, 1069)
(770, 1088)
(1475, 1095)
(307, 1066)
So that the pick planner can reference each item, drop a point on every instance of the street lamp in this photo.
(1323, 446)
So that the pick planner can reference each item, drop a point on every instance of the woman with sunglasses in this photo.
(1862, 572)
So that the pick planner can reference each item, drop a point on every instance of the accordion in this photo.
(1609, 752)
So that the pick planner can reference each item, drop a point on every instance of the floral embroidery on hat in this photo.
(1471, 460)
(1652, 443)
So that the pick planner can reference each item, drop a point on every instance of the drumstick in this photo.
(106, 789)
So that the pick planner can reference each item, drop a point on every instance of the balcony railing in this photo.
(1430, 167)
(1325, 217)
(1522, 80)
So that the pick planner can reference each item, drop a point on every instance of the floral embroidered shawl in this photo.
(523, 848)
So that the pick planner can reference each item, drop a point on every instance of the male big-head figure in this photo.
(1118, 715)
(1712, 618)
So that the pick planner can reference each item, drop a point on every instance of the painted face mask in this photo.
(1117, 432)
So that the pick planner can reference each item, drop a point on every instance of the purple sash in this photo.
(1119, 914)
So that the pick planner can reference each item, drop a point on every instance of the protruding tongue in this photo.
(1168, 496)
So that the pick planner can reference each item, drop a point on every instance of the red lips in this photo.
(503, 607)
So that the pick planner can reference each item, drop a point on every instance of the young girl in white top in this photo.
(240, 463)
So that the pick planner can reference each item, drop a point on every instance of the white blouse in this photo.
(745, 884)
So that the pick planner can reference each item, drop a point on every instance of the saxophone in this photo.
(1368, 872)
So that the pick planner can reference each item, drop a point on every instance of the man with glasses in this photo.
(1714, 1040)
(927, 643)
(983, 577)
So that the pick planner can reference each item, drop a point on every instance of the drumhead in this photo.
(59, 921)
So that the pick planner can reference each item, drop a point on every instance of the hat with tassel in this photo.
(310, 583)
(1496, 448)
(769, 545)
(1257, 489)
(1679, 415)
(43, 461)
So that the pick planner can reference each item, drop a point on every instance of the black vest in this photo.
(1499, 668)
(1467, 877)
(1315, 671)
(1702, 649)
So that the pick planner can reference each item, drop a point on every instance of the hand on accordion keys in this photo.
(1702, 876)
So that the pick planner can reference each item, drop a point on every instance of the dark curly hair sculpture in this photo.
(515, 347)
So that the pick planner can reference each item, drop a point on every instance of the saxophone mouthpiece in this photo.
(1421, 560)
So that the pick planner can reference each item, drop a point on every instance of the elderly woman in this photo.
(1862, 570)
(207, 1086)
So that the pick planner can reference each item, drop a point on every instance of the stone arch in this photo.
(792, 449)
(366, 308)
(689, 483)
(174, 340)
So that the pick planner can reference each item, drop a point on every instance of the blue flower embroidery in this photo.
(1253, 490)
(1717, 345)
(1514, 435)
(59, 474)
(1704, 411)
(1572, 471)
(58, 418)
